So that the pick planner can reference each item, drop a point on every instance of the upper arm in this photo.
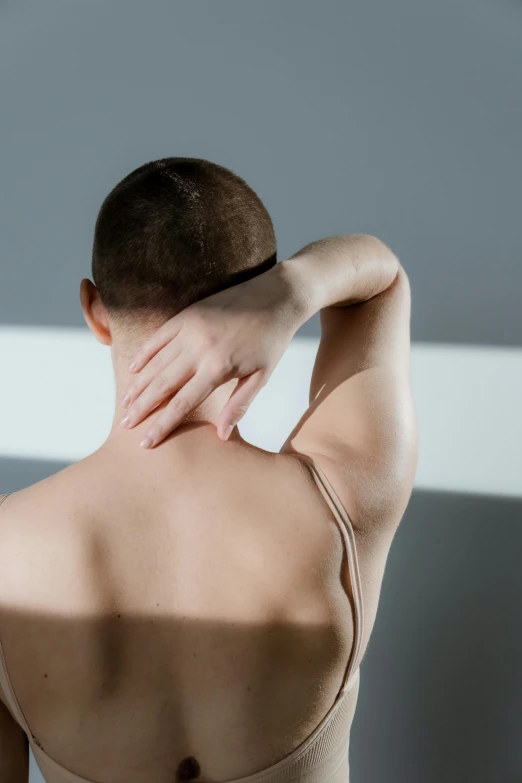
(361, 424)
(14, 749)
(14, 745)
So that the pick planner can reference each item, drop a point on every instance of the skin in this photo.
(164, 609)
(106, 333)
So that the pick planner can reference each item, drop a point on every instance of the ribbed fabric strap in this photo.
(10, 695)
(346, 528)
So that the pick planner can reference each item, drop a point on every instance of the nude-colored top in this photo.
(323, 756)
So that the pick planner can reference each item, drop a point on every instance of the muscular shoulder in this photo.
(37, 537)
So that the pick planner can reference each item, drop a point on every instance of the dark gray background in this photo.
(402, 119)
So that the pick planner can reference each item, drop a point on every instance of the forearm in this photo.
(338, 271)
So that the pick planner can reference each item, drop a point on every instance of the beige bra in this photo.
(323, 756)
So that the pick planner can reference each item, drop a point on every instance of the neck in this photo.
(203, 419)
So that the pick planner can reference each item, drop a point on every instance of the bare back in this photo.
(147, 621)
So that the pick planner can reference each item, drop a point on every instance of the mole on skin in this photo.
(188, 769)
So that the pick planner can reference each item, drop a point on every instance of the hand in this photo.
(240, 332)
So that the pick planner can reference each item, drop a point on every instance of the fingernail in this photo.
(132, 366)
(226, 432)
(125, 401)
(125, 420)
(146, 442)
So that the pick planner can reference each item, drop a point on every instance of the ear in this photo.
(94, 312)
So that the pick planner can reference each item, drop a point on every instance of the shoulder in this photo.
(52, 491)
(35, 531)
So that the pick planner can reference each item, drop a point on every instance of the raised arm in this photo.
(361, 424)
(361, 421)
(14, 749)
(339, 271)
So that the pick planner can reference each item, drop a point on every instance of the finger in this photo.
(193, 394)
(158, 364)
(154, 343)
(239, 402)
(163, 384)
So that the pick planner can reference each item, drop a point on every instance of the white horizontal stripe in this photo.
(57, 403)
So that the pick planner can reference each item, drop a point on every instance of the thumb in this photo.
(239, 402)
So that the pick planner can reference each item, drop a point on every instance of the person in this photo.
(199, 609)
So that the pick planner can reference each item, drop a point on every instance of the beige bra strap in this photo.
(10, 696)
(346, 528)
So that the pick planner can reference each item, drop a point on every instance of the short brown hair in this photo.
(176, 230)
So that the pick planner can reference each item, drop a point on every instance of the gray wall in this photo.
(402, 119)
